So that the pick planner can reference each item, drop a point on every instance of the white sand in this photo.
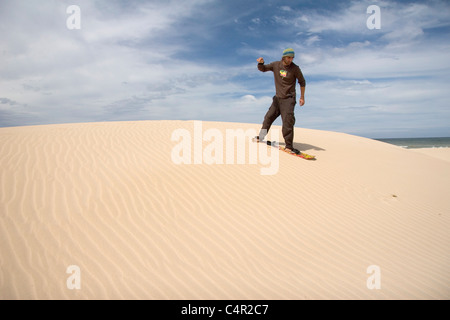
(440, 153)
(107, 198)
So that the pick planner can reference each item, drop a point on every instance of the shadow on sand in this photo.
(304, 146)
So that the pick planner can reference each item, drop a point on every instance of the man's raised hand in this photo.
(260, 60)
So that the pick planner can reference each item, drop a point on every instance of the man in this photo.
(286, 73)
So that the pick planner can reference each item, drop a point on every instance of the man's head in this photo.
(288, 56)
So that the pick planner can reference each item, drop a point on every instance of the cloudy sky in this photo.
(196, 60)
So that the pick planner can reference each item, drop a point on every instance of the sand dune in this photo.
(109, 199)
(440, 153)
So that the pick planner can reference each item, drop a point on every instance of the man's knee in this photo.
(289, 119)
(271, 115)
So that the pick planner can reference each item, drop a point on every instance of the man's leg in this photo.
(287, 107)
(270, 117)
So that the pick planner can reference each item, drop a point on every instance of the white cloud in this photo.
(311, 40)
(360, 61)
(256, 21)
(110, 69)
(286, 8)
(399, 21)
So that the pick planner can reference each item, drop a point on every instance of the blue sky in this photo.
(196, 60)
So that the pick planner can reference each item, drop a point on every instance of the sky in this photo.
(133, 60)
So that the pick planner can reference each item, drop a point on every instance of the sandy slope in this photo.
(108, 198)
(440, 153)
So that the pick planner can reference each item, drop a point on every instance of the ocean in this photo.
(414, 143)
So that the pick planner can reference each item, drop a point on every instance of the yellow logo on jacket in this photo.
(283, 73)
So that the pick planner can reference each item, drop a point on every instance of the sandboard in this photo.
(275, 144)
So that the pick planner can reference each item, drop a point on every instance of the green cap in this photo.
(289, 52)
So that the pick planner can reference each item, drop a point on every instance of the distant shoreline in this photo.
(418, 143)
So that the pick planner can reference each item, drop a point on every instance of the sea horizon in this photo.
(417, 143)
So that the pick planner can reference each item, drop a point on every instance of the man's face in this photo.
(288, 60)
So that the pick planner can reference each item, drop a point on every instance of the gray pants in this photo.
(285, 108)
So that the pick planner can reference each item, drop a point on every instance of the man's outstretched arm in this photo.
(262, 67)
